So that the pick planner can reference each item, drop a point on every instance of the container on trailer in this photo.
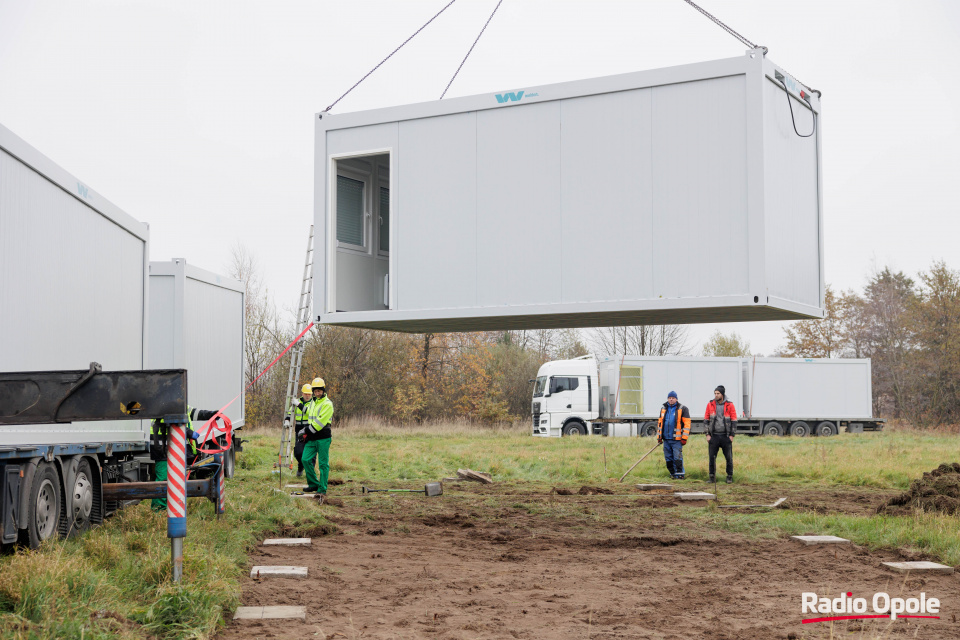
(675, 195)
(637, 386)
(197, 324)
(809, 388)
(73, 282)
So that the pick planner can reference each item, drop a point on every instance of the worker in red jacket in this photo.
(720, 420)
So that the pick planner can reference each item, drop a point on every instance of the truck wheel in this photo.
(574, 428)
(825, 429)
(773, 429)
(83, 497)
(230, 461)
(649, 429)
(800, 429)
(43, 505)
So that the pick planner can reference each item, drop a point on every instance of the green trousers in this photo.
(318, 450)
(159, 475)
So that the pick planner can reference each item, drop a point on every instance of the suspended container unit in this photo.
(73, 282)
(675, 195)
(197, 324)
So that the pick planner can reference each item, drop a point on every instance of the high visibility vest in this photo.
(159, 436)
(319, 415)
(301, 412)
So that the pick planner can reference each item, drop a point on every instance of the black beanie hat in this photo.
(722, 390)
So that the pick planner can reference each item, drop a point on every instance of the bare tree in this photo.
(642, 340)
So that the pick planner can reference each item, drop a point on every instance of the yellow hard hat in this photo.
(307, 389)
(318, 383)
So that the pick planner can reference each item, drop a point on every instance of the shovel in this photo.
(431, 489)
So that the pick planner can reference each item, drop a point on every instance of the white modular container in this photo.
(675, 195)
(809, 389)
(637, 386)
(197, 324)
(73, 282)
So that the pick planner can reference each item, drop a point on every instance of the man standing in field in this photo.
(300, 416)
(720, 419)
(673, 429)
(316, 438)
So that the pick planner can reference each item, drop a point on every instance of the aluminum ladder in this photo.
(296, 359)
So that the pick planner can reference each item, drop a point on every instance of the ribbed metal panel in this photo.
(72, 284)
(785, 388)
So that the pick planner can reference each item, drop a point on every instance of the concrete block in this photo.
(695, 495)
(287, 542)
(810, 540)
(278, 572)
(295, 486)
(655, 487)
(261, 613)
(919, 566)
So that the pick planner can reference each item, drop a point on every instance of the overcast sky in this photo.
(197, 117)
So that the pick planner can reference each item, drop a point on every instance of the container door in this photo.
(630, 400)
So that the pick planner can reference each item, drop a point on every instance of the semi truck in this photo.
(621, 395)
(75, 292)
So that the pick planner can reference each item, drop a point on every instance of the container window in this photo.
(631, 391)
(350, 211)
(384, 219)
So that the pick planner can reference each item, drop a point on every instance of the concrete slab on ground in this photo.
(262, 613)
(808, 540)
(287, 542)
(654, 487)
(278, 572)
(695, 495)
(295, 486)
(918, 566)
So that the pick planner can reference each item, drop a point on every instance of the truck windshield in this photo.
(540, 386)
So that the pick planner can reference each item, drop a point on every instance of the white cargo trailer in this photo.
(622, 395)
(73, 283)
(197, 324)
(488, 212)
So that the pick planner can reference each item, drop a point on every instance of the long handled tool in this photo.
(430, 490)
(638, 462)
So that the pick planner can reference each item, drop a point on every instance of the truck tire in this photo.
(826, 429)
(649, 429)
(82, 499)
(43, 505)
(230, 461)
(773, 429)
(800, 429)
(574, 428)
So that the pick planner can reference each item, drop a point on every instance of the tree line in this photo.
(910, 328)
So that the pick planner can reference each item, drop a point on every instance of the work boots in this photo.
(729, 479)
(713, 479)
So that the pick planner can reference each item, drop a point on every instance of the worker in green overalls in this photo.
(300, 416)
(158, 448)
(316, 438)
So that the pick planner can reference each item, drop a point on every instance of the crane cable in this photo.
(447, 6)
(471, 49)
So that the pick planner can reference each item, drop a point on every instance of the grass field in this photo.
(114, 582)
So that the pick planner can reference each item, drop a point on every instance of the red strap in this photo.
(210, 424)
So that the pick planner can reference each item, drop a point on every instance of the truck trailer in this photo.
(621, 395)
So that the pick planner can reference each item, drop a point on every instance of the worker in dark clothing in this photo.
(300, 415)
(673, 429)
(158, 448)
(720, 419)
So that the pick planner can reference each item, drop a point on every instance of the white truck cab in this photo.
(565, 397)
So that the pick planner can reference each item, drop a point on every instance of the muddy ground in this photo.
(489, 562)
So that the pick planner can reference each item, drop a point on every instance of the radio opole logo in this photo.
(880, 606)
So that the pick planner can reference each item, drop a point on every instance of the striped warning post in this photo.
(177, 482)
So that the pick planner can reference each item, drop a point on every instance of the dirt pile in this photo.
(937, 491)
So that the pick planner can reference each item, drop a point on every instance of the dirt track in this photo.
(479, 566)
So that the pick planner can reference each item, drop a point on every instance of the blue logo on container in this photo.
(510, 97)
(82, 190)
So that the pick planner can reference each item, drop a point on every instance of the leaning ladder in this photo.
(296, 358)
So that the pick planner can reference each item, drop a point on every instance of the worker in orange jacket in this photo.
(673, 429)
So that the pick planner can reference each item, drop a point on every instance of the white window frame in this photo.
(365, 232)
(383, 181)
